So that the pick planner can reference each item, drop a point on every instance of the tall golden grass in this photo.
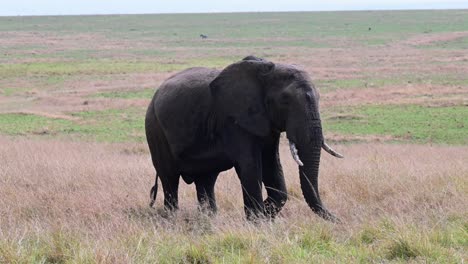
(97, 195)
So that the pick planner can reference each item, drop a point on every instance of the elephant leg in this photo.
(166, 172)
(249, 171)
(205, 192)
(246, 153)
(170, 184)
(277, 194)
(273, 178)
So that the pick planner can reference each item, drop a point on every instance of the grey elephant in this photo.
(203, 121)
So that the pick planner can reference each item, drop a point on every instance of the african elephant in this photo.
(203, 121)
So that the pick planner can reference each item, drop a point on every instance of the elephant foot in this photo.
(255, 216)
(325, 214)
(207, 209)
(271, 209)
(165, 214)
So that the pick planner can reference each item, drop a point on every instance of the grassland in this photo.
(76, 202)
(404, 122)
(75, 172)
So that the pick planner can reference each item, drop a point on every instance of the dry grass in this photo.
(88, 202)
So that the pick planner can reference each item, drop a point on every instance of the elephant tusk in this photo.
(293, 149)
(331, 151)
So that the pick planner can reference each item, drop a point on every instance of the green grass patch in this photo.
(137, 94)
(402, 80)
(295, 244)
(87, 67)
(403, 249)
(405, 122)
(102, 67)
(23, 124)
(9, 91)
(113, 125)
(53, 247)
(103, 126)
(410, 123)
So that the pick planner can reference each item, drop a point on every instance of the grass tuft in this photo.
(234, 243)
(369, 235)
(403, 249)
(197, 254)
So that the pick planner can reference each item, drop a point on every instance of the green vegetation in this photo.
(113, 125)
(91, 67)
(240, 25)
(99, 67)
(23, 124)
(315, 243)
(404, 122)
(108, 125)
(9, 91)
(137, 94)
(410, 123)
(336, 84)
(400, 80)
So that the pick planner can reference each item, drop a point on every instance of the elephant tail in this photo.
(154, 191)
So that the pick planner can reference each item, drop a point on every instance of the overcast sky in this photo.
(69, 7)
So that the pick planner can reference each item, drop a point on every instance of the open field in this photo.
(75, 172)
(88, 202)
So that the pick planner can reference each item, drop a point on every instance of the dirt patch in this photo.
(75, 95)
(115, 82)
(332, 137)
(346, 117)
(43, 114)
(60, 105)
(410, 94)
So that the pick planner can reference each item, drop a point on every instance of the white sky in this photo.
(68, 7)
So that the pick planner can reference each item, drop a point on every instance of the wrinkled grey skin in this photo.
(203, 121)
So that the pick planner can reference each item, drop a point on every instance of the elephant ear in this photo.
(238, 94)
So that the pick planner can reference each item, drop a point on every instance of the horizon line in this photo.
(243, 12)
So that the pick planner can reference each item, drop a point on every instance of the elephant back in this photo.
(182, 104)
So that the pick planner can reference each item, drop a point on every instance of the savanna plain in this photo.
(75, 171)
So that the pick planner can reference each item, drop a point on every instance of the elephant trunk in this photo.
(309, 153)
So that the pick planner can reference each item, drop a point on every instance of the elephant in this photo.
(203, 121)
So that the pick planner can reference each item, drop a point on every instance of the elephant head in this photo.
(262, 97)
